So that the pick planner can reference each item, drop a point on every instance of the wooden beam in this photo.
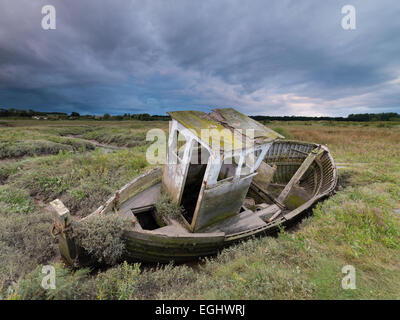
(61, 213)
(269, 212)
(299, 173)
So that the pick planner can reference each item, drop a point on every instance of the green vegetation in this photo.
(101, 237)
(167, 208)
(283, 132)
(15, 201)
(30, 148)
(357, 226)
(25, 242)
(118, 283)
(69, 285)
(118, 136)
(22, 142)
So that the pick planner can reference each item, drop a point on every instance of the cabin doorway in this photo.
(194, 180)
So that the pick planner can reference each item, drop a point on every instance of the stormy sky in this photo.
(276, 57)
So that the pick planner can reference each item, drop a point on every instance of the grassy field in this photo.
(358, 226)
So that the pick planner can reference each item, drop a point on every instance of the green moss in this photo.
(293, 201)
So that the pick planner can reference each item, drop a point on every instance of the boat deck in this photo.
(243, 221)
(145, 198)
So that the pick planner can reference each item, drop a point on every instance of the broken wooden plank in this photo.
(263, 194)
(275, 215)
(268, 212)
(264, 176)
(299, 173)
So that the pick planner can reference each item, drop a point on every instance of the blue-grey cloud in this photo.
(263, 57)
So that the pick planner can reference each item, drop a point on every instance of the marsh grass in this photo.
(354, 144)
(25, 242)
(22, 142)
(81, 177)
(30, 148)
(82, 180)
(118, 283)
(15, 201)
(69, 285)
(117, 136)
(356, 226)
(283, 132)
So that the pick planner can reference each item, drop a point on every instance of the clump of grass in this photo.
(69, 285)
(385, 125)
(14, 201)
(118, 136)
(353, 143)
(168, 208)
(6, 170)
(5, 124)
(69, 130)
(102, 237)
(30, 148)
(81, 200)
(162, 281)
(129, 282)
(45, 184)
(359, 219)
(25, 241)
(283, 132)
(256, 269)
(82, 181)
(76, 143)
(118, 283)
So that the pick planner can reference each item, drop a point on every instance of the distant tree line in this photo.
(136, 116)
(388, 116)
(17, 113)
(25, 113)
(297, 118)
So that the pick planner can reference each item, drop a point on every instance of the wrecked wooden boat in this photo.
(234, 178)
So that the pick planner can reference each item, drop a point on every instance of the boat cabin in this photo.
(211, 162)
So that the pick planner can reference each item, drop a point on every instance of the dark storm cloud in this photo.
(264, 57)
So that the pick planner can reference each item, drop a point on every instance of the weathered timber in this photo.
(243, 221)
(271, 211)
(62, 223)
(297, 176)
(279, 178)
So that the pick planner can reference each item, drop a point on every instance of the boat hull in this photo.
(158, 247)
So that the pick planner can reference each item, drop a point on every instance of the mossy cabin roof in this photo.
(236, 137)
